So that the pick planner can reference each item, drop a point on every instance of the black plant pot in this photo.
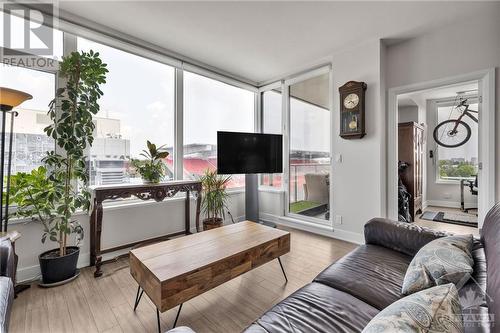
(55, 268)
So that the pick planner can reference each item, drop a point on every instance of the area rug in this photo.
(452, 218)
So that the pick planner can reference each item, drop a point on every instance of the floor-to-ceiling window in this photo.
(137, 105)
(29, 143)
(34, 76)
(309, 147)
(211, 106)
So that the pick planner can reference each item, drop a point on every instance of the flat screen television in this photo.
(249, 153)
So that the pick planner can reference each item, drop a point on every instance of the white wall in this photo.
(358, 183)
(449, 51)
(408, 113)
(121, 225)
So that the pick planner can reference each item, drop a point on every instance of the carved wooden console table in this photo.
(157, 192)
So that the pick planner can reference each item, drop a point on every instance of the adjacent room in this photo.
(438, 153)
(249, 166)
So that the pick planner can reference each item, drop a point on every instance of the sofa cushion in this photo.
(433, 310)
(473, 297)
(316, 308)
(6, 300)
(442, 261)
(7, 260)
(372, 273)
(181, 329)
(403, 237)
(490, 237)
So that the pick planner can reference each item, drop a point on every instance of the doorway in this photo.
(438, 161)
(452, 172)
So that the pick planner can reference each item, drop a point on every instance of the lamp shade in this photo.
(10, 98)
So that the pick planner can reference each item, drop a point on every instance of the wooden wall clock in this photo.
(352, 110)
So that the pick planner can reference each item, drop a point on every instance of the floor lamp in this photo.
(9, 99)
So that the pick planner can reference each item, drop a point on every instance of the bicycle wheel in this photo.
(445, 135)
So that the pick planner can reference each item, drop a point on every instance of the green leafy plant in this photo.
(152, 169)
(448, 169)
(214, 200)
(51, 194)
(36, 196)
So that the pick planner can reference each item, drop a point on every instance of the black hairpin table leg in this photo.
(138, 297)
(175, 321)
(282, 269)
(177, 316)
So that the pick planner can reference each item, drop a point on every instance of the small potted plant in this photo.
(152, 170)
(214, 200)
(52, 193)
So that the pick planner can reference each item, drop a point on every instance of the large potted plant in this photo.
(52, 193)
(152, 170)
(214, 199)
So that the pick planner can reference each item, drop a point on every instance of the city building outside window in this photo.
(28, 74)
(137, 105)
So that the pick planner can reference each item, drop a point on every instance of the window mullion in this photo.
(179, 125)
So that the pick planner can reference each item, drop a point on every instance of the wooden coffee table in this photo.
(174, 271)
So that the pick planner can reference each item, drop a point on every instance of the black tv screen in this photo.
(246, 153)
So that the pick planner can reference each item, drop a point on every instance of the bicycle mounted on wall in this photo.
(453, 133)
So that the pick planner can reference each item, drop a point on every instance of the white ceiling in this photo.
(262, 40)
(451, 91)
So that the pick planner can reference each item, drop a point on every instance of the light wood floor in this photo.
(455, 228)
(106, 304)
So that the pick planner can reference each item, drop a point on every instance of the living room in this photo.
(175, 77)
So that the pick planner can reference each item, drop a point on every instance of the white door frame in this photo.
(486, 178)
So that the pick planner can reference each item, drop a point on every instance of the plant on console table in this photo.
(214, 199)
(153, 169)
(52, 193)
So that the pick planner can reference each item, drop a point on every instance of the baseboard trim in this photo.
(323, 230)
(449, 204)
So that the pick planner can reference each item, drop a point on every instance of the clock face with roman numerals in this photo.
(351, 101)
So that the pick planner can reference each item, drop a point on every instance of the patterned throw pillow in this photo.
(431, 310)
(444, 260)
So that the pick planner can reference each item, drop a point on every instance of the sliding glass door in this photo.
(309, 148)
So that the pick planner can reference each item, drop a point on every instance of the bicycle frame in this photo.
(465, 112)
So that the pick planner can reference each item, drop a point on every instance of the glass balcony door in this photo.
(309, 148)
